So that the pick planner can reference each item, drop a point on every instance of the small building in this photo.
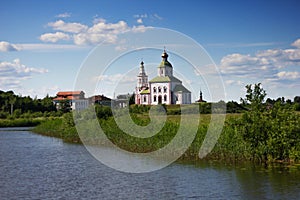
(162, 89)
(200, 100)
(122, 100)
(100, 99)
(76, 99)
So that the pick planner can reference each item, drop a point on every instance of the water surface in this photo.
(39, 167)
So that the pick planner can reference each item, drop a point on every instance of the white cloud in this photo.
(6, 46)
(100, 31)
(288, 75)
(13, 73)
(275, 68)
(54, 37)
(296, 43)
(74, 27)
(263, 64)
(139, 20)
(63, 15)
(245, 65)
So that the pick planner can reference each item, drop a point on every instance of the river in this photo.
(38, 167)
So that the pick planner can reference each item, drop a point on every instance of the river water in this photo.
(39, 167)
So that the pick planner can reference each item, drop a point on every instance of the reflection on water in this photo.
(38, 167)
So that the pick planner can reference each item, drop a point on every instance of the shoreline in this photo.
(230, 149)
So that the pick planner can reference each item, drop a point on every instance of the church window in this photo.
(159, 89)
(165, 97)
(154, 89)
(154, 98)
(145, 99)
(165, 89)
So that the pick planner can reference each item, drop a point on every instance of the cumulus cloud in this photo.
(13, 73)
(74, 27)
(263, 64)
(296, 43)
(6, 46)
(54, 37)
(245, 65)
(100, 31)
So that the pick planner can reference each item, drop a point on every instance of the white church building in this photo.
(163, 89)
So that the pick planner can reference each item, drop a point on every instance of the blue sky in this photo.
(43, 44)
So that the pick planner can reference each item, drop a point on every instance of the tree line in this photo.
(12, 105)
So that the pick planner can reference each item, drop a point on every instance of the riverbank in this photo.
(21, 122)
(231, 146)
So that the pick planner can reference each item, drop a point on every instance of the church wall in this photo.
(165, 93)
(145, 99)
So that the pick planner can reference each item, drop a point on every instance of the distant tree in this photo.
(270, 101)
(12, 101)
(288, 101)
(297, 99)
(132, 99)
(47, 104)
(64, 106)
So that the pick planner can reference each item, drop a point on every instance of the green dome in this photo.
(165, 63)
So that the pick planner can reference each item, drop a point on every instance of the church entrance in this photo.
(159, 99)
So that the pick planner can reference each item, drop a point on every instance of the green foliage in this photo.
(273, 133)
(103, 112)
(64, 106)
(21, 122)
(265, 132)
(10, 102)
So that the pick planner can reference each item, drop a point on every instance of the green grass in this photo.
(230, 147)
(21, 122)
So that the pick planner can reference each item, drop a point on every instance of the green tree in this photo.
(273, 134)
(255, 126)
(65, 106)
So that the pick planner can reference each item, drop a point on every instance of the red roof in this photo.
(69, 93)
(64, 98)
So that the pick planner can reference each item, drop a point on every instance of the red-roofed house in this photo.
(76, 99)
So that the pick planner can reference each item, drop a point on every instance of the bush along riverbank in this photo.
(21, 122)
(261, 134)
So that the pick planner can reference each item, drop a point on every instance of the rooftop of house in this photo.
(69, 93)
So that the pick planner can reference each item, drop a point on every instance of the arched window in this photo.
(154, 89)
(154, 98)
(165, 97)
(165, 89)
(145, 99)
(159, 89)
